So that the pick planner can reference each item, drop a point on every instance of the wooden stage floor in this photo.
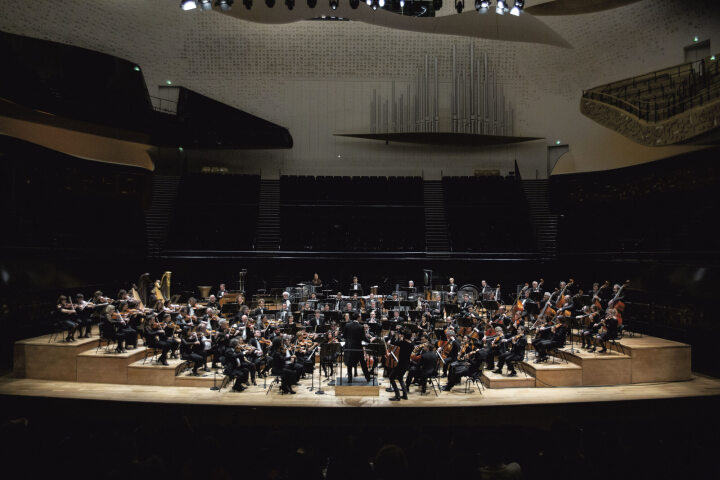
(697, 386)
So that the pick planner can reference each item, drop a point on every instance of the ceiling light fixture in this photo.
(482, 5)
(517, 8)
(188, 5)
(206, 5)
(225, 5)
(334, 4)
(501, 7)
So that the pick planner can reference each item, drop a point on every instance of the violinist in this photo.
(257, 357)
(608, 330)
(235, 364)
(403, 362)
(515, 353)
(67, 317)
(125, 326)
(558, 332)
(427, 366)
(110, 327)
(189, 350)
(591, 325)
(468, 364)
(501, 319)
(212, 302)
(495, 347)
(281, 359)
(156, 337)
(83, 319)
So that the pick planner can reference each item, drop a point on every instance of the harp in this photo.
(165, 285)
(143, 289)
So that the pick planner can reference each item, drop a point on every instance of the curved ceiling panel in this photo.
(524, 28)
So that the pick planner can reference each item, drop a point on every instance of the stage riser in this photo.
(36, 358)
(151, 374)
(559, 374)
(493, 380)
(665, 363)
(101, 367)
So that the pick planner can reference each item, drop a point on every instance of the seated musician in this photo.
(467, 364)
(125, 326)
(257, 356)
(515, 353)
(317, 320)
(84, 319)
(348, 308)
(453, 350)
(557, 340)
(591, 325)
(156, 337)
(495, 347)
(316, 281)
(221, 291)
(235, 365)
(427, 366)
(189, 350)
(66, 317)
(425, 323)
(396, 318)
(451, 323)
(610, 325)
(110, 325)
(284, 314)
(286, 300)
(260, 310)
(281, 361)
(212, 302)
(465, 303)
(338, 304)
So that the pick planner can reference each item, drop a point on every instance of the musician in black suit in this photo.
(452, 288)
(189, 351)
(515, 353)
(610, 322)
(355, 287)
(281, 361)
(235, 365)
(557, 340)
(67, 317)
(465, 303)
(354, 336)
(317, 319)
(221, 291)
(403, 362)
(156, 337)
(396, 317)
(427, 366)
(454, 350)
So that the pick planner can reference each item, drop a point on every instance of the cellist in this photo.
(403, 362)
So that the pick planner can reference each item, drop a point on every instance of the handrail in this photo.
(700, 89)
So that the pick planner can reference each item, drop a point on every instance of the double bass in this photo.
(619, 305)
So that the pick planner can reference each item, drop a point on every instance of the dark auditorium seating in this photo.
(352, 213)
(487, 214)
(655, 207)
(215, 212)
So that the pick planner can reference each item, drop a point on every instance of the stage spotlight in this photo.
(225, 5)
(402, 3)
(459, 5)
(381, 3)
(517, 8)
(368, 2)
(188, 5)
(290, 4)
(482, 5)
(354, 4)
(248, 4)
(206, 5)
(334, 4)
(270, 3)
(374, 5)
(500, 8)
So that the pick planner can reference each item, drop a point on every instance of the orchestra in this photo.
(458, 331)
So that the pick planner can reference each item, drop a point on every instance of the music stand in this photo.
(490, 306)
(328, 350)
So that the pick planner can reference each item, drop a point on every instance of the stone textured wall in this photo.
(317, 78)
(675, 130)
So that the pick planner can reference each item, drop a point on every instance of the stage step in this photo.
(655, 359)
(554, 373)
(497, 380)
(359, 388)
(153, 373)
(45, 360)
(100, 366)
(204, 380)
(609, 368)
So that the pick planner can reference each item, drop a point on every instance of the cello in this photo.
(619, 305)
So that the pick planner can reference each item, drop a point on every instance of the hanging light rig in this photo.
(481, 6)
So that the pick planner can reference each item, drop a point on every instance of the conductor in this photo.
(354, 336)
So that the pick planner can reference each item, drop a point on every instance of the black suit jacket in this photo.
(354, 335)
(428, 363)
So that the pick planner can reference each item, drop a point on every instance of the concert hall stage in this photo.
(570, 382)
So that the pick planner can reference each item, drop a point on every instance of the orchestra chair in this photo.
(104, 337)
(151, 352)
(57, 328)
(474, 379)
(434, 380)
(276, 381)
(556, 352)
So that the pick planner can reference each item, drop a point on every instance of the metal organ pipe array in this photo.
(477, 103)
